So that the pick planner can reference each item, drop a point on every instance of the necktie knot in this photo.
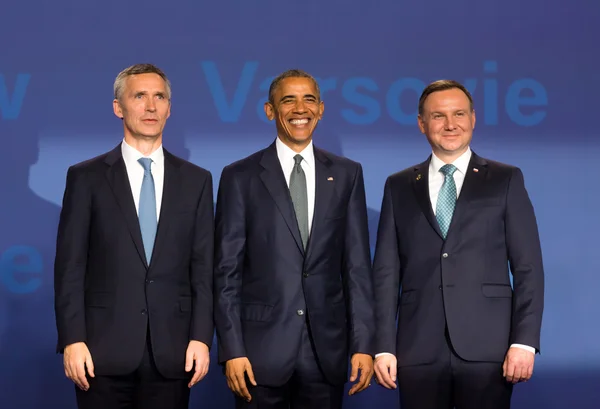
(146, 163)
(448, 169)
(297, 160)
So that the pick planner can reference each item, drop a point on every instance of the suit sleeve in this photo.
(201, 272)
(71, 260)
(525, 258)
(386, 275)
(230, 241)
(357, 271)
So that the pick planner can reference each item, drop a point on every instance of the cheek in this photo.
(281, 118)
(435, 129)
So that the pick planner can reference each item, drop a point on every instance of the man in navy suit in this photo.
(133, 270)
(293, 285)
(463, 335)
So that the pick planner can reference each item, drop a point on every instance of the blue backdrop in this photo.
(530, 64)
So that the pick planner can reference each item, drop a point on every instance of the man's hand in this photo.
(363, 362)
(197, 355)
(386, 366)
(235, 370)
(518, 365)
(76, 359)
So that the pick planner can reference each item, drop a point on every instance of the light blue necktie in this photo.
(147, 210)
(446, 199)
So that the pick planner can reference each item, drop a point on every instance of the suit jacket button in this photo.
(144, 311)
(440, 287)
(305, 275)
(445, 255)
(300, 312)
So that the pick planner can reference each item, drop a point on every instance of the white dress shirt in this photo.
(135, 173)
(436, 179)
(286, 159)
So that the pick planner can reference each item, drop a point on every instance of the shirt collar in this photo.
(286, 154)
(131, 155)
(461, 163)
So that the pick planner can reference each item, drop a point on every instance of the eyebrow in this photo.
(146, 93)
(293, 97)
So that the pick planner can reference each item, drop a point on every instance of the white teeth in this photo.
(299, 121)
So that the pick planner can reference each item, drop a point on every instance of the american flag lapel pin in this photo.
(330, 178)
(475, 170)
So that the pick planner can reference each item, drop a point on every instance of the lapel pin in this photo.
(475, 170)
(330, 178)
(419, 176)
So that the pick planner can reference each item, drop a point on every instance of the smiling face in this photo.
(144, 106)
(448, 121)
(296, 108)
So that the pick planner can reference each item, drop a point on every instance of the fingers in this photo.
(363, 383)
(80, 378)
(89, 364)
(241, 389)
(529, 372)
(250, 374)
(236, 379)
(384, 377)
(509, 372)
(189, 360)
(75, 370)
(517, 374)
(200, 372)
(354, 373)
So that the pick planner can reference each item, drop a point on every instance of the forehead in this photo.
(296, 86)
(448, 99)
(145, 82)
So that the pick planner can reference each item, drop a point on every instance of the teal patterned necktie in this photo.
(446, 199)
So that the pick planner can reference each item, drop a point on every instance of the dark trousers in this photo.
(306, 389)
(145, 388)
(451, 382)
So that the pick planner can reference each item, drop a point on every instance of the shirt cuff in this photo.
(525, 347)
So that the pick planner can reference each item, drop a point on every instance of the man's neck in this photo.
(146, 146)
(449, 157)
(293, 146)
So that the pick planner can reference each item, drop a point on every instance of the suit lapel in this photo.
(324, 190)
(171, 190)
(420, 182)
(119, 183)
(472, 185)
(274, 180)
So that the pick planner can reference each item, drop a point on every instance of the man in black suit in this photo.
(463, 336)
(293, 278)
(133, 270)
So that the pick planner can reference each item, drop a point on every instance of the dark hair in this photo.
(136, 70)
(291, 74)
(442, 85)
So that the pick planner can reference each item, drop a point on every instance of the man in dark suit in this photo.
(133, 270)
(293, 278)
(463, 335)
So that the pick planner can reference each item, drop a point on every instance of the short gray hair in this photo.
(136, 70)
